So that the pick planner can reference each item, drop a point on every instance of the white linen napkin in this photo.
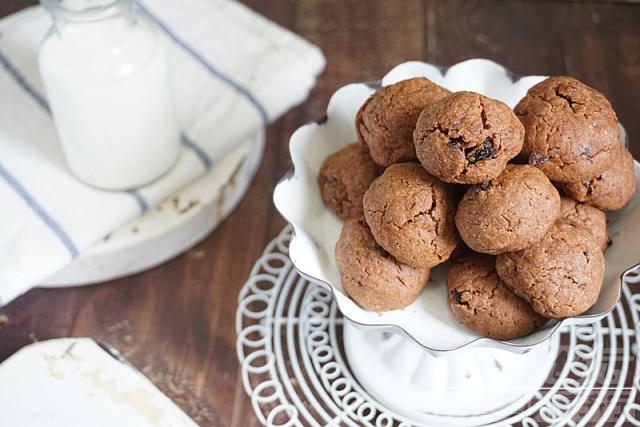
(233, 72)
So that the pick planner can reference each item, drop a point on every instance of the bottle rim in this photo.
(86, 10)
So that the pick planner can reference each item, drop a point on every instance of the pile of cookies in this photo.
(514, 198)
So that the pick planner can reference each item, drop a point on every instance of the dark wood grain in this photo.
(176, 322)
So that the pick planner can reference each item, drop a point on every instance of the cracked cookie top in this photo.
(560, 275)
(344, 177)
(593, 219)
(610, 190)
(467, 138)
(481, 301)
(509, 212)
(411, 215)
(571, 130)
(385, 122)
(372, 277)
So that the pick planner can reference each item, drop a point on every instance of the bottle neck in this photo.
(86, 11)
(95, 19)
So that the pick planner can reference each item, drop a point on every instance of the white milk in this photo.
(108, 87)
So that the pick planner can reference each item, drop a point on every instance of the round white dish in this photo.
(172, 227)
(428, 320)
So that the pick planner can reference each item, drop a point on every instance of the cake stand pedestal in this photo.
(467, 387)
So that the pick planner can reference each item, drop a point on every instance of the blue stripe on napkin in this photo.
(44, 216)
(209, 67)
(23, 83)
(142, 203)
(204, 158)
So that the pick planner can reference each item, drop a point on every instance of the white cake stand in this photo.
(171, 228)
(466, 387)
(302, 364)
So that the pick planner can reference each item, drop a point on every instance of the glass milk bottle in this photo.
(105, 72)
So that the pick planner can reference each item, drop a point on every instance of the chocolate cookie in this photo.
(481, 301)
(612, 189)
(591, 218)
(372, 277)
(385, 122)
(467, 138)
(560, 275)
(508, 213)
(344, 177)
(571, 130)
(411, 215)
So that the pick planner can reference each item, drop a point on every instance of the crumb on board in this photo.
(220, 201)
(197, 254)
(236, 171)
(192, 203)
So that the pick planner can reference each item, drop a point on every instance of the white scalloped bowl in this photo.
(428, 320)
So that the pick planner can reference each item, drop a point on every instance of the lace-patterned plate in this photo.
(295, 370)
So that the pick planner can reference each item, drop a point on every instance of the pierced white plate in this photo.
(428, 320)
(171, 228)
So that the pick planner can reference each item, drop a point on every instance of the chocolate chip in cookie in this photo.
(481, 301)
(467, 138)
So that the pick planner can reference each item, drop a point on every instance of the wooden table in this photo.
(176, 322)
